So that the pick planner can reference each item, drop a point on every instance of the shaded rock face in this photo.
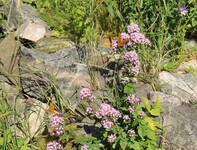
(42, 72)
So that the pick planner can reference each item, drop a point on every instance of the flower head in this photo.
(111, 138)
(84, 147)
(107, 124)
(183, 11)
(86, 94)
(54, 146)
(131, 132)
(133, 99)
(56, 124)
(142, 114)
(133, 28)
(89, 110)
(126, 118)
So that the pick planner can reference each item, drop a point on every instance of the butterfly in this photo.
(51, 108)
(121, 42)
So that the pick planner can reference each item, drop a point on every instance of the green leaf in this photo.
(128, 89)
(151, 123)
(24, 147)
(135, 146)
(146, 103)
(4, 1)
(157, 103)
(123, 143)
(140, 132)
(155, 111)
(150, 134)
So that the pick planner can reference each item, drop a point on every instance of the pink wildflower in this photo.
(133, 99)
(86, 94)
(107, 124)
(54, 146)
(126, 118)
(131, 110)
(133, 28)
(114, 45)
(111, 138)
(84, 147)
(142, 114)
(89, 110)
(131, 132)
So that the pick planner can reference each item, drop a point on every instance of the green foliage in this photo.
(164, 26)
(92, 142)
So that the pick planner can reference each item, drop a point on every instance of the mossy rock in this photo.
(52, 44)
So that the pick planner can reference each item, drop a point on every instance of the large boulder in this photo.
(18, 13)
(182, 86)
(44, 76)
(178, 121)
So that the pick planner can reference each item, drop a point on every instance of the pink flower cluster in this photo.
(131, 133)
(125, 80)
(133, 99)
(84, 147)
(106, 110)
(86, 94)
(108, 114)
(89, 110)
(54, 146)
(131, 58)
(126, 118)
(107, 124)
(56, 124)
(114, 45)
(133, 37)
(111, 138)
(142, 114)
(131, 109)
(132, 28)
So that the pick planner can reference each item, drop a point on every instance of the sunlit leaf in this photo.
(146, 104)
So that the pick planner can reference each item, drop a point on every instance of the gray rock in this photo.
(179, 128)
(9, 70)
(182, 86)
(52, 44)
(42, 74)
(19, 14)
(28, 120)
(31, 31)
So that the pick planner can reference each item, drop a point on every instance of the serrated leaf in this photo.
(140, 132)
(151, 134)
(151, 123)
(155, 111)
(123, 144)
(157, 103)
(146, 104)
